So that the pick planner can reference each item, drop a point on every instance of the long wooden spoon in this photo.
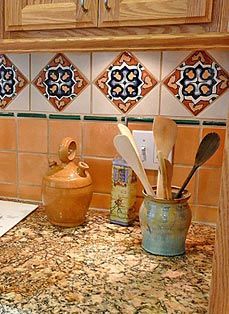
(165, 134)
(124, 130)
(207, 148)
(127, 151)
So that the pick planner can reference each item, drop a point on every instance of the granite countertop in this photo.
(100, 268)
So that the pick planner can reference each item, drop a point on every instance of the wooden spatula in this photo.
(165, 133)
(207, 148)
(124, 130)
(127, 151)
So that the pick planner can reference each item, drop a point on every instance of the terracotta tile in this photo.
(101, 201)
(32, 168)
(217, 158)
(186, 145)
(59, 129)
(179, 176)
(8, 190)
(209, 186)
(7, 133)
(140, 126)
(98, 139)
(8, 167)
(152, 177)
(29, 192)
(206, 214)
(101, 173)
(32, 135)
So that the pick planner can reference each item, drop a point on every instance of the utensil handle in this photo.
(179, 193)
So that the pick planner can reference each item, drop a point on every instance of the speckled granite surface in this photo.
(100, 268)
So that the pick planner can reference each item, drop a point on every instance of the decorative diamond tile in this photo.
(125, 82)
(12, 81)
(198, 81)
(60, 82)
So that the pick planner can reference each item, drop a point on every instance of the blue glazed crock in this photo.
(165, 224)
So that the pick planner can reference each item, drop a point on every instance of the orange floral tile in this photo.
(188, 139)
(101, 201)
(8, 167)
(217, 158)
(8, 190)
(7, 134)
(101, 173)
(179, 176)
(59, 129)
(209, 186)
(32, 168)
(32, 135)
(98, 139)
(29, 192)
(60, 81)
(125, 82)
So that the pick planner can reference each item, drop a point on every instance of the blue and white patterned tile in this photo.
(14, 82)
(196, 83)
(61, 83)
(126, 82)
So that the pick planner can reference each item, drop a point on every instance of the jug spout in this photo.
(82, 167)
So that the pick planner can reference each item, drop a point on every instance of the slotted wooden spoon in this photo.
(165, 134)
(207, 148)
(125, 148)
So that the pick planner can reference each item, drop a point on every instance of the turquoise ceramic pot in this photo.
(165, 224)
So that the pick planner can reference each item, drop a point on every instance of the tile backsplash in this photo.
(180, 84)
(45, 97)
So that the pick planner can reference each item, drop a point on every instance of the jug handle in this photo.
(67, 150)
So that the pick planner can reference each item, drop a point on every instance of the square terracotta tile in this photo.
(198, 81)
(101, 173)
(60, 81)
(125, 81)
(101, 201)
(187, 143)
(29, 192)
(32, 168)
(32, 135)
(7, 134)
(217, 158)
(8, 167)
(8, 190)
(59, 129)
(206, 214)
(98, 139)
(179, 175)
(12, 81)
(209, 186)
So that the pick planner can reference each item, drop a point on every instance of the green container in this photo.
(165, 224)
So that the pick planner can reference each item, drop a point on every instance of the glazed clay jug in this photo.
(67, 188)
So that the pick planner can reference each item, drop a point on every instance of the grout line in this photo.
(91, 85)
(30, 79)
(17, 158)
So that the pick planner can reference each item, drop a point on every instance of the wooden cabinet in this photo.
(49, 14)
(154, 12)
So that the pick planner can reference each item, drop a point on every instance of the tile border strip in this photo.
(187, 122)
(63, 117)
(6, 114)
(214, 123)
(32, 115)
(100, 118)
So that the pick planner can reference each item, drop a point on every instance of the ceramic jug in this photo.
(165, 224)
(67, 188)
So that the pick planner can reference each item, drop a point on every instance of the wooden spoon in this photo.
(124, 130)
(207, 148)
(125, 148)
(165, 133)
(166, 172)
